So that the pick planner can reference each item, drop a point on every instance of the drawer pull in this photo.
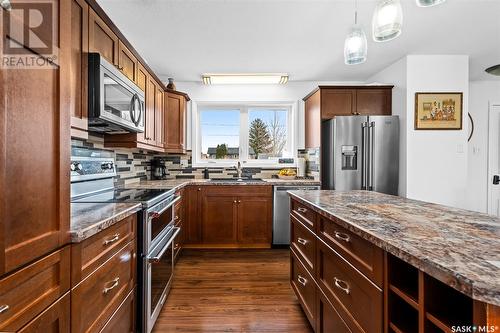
(302, 241)
(302, 280)
(112, 239)
(342, 236)
(342, 285)
(301, 210)
(176, 217)
(4, 308)
(114, 284)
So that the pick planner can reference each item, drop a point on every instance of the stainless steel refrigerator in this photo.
(360, 153)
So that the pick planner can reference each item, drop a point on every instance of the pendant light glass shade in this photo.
(429, 3)
(387, 20)
(355, 46)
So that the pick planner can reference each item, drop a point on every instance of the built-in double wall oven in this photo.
(156, 263)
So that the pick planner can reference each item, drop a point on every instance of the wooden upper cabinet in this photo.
(159, 117)
(149, 130)
(337, 102)
(127, 63)
(102, 39)
(79, 14)
(174, 122)
(374, 101)
(35, 156)
(312, 120)
(142, 77)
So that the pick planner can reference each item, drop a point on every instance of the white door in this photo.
(494, 160)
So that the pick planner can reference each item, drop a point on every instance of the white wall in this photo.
(291, 92)
(396, 74)
(481, 94)
(437, 160)
(433, 163)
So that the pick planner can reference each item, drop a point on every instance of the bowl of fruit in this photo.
(287, 174)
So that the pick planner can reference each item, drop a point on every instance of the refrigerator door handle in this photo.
(364, 156)
(371, 152)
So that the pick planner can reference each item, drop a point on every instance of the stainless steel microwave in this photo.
(116, 104)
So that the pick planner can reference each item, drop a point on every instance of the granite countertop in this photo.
(180, 183)
(458, 247)
(87, 219)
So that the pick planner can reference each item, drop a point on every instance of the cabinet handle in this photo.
(239, 201)
(302, 280)
(4, 308)
(301, 210)
(302, 241)
(112, 240)
(342, 236)
(176, 246)
(114, 284)
(176, 217)
(235, 201)
(119, 68)
(342, 285)
(199, 188)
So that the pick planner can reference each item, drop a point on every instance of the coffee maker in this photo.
(158, 169)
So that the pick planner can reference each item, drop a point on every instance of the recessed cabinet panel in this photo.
(127, 63)
(102, 39)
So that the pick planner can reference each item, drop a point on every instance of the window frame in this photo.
(244, 107)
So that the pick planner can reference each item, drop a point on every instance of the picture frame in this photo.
(438, 110)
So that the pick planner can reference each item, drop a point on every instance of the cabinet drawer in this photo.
(95, 299)
(357, 299)
(362, 254)
(328, 319)
(303, 243)
(29, 291)
(304, 287)
(56, 318)
(88, 255)
(304, 214)
(123, 320)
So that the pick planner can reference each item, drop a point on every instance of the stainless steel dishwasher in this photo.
(281, 212)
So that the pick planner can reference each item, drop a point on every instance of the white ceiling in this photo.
(305, 38)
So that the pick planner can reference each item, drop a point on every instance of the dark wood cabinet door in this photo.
(159, 118)
(79, 14)
(102, 39)
(219, 217)
(374, 101)
(127, 63)
(337, 102)
(312, 119)
(174, 122)
(55, 319)
(192, 225)
(150, 117)
(254, 219)
(35, 155)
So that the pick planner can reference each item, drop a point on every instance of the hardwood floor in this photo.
(232, 291)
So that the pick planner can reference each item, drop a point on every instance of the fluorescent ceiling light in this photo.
(249, 78)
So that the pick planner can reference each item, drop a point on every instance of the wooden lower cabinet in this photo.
(29, 291)
(55, 319)
(327, 318)
(123, 320)
(229, 216)
(304, 287)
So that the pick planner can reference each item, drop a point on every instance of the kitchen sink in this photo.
(236, 180)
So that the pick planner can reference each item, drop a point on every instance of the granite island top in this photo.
(87, 219)
(180, 183)
(458, 247)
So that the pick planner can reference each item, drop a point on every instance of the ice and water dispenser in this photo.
(349, 157)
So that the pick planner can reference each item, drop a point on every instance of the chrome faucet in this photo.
(238, 170)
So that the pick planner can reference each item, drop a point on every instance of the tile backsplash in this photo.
(133, 165)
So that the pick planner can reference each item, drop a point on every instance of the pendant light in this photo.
(429, 3)
(387, 20)
(355, 46)
(493, 70)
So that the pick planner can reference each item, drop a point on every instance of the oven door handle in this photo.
(154, 214)
(156, 256)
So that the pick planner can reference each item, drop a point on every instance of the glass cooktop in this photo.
(145, 196)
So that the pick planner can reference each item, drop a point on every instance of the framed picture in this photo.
(438, 111)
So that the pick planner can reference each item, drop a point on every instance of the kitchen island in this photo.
(413, 266)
